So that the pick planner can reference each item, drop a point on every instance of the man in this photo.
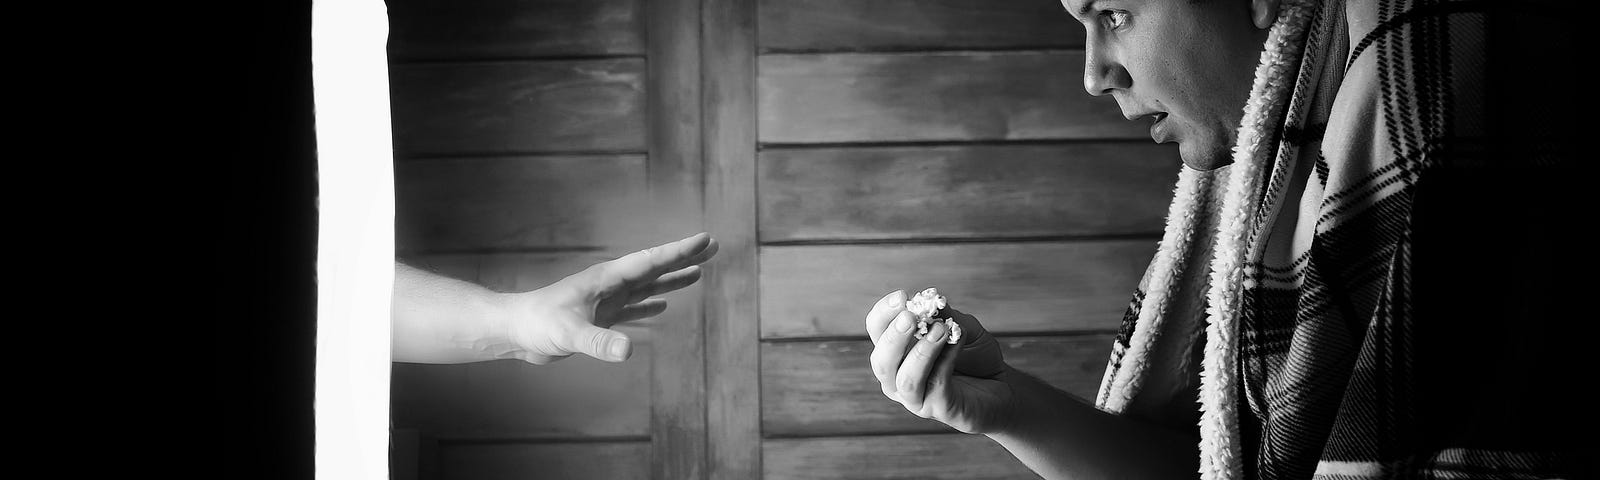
(1317, 306)
(442, 320)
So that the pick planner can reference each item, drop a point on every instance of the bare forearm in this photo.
(437, 319)
(1059, 435)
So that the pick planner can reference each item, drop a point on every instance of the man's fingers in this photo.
(882, 312)
(604, 344)
(912, 379)
(984, 357)
(683, 277)
(939, 398)
(647, 264)
(890, 348)
(644, 309)
(970, 328)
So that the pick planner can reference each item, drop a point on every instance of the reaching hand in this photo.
(959, 385)
(574, 315)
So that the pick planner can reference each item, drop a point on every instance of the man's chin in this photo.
(1204, 159)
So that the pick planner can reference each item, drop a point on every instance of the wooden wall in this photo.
(521, 133)
(839, 149)
(907, 144)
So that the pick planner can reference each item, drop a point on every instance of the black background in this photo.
(262, 356)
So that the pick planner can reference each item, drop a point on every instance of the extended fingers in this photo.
(647, 264)
(912, 379)
(884, 311)
(645, 309)
(666, 283)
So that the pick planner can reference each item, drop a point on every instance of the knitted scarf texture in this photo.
(1280, 297)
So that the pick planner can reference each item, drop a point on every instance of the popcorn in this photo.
(926, 305)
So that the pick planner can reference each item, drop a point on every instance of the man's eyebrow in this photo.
(1087, 7)
(1084, 10)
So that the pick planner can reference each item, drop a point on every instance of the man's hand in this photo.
(959, 385)
(574, 315)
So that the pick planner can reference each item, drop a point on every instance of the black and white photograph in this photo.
(947, 239)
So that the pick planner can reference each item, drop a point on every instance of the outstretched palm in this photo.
(574, 314)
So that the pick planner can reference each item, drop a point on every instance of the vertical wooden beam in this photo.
(728, 73)
(676, 176)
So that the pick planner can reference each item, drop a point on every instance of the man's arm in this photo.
(442, 320)
(971, 388)
(437, 319)
(1058, 435)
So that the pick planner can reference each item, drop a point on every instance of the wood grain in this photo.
(579, 397)
(826, 291)
(518, 107)
(502, 203)
(879, 25)
(422, 30)
(546, 461)
(933, 97)
(678, 379)
(733, 403)
(968, 191)
(823, 388)
(937, 456)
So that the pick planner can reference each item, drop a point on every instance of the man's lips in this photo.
(1158, 131)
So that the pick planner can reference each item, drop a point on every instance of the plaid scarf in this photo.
(1281, 295)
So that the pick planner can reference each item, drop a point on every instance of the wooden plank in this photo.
(518, 107)
(522, 272)
(678, 379)
(516, 202)
(933, 457)
(968, 191)
(546, 461)
(422, 30)
(933, 97)
(579, 397)
(879, 25)
(820, 388)
(826, 291)
(733, 403)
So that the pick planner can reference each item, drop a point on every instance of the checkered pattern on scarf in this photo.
(1326, 354)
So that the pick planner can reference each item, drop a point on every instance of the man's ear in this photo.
(1264, 12)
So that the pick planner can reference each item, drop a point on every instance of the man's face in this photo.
(1185, 66)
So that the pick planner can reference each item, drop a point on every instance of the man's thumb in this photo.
(604, 344)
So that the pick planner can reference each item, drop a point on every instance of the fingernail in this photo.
(936, 334)
(896, 299)
(902, 322)
(619, 348)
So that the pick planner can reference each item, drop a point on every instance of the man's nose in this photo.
(1101, 72)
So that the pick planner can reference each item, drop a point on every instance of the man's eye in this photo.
(1114, 19)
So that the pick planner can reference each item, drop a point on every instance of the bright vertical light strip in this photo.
(355, 241)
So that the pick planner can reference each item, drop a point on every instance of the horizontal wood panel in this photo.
(466, 29)
(811, 25)
(522, 272)
(573, 398)
(932, 97)
(516, 202)
(826, 291)
(827, 387)
(518, 107)
(546, 461)
(938, 456)
(988, 191)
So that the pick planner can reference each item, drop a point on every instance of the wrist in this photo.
(496, 335)
(1005, 421)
